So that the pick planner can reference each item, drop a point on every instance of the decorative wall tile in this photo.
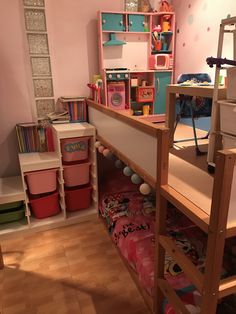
(43, 88)
(35, 20)
(38, 43)
(44, 106)
(40, 66)
(33, 3)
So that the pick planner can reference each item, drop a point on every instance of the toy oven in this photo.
(145, 94)
(159, 61)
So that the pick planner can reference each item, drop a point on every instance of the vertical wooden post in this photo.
(1, 259)
(161, 211)
(225, 163)
(170, 113)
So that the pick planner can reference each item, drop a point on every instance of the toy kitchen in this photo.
(134, 67)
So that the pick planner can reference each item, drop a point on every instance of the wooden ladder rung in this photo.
(172, 297)
(185, 263)
(229, 21)
(227, 286)
(193, 212)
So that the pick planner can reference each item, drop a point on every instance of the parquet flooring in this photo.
(69, 270)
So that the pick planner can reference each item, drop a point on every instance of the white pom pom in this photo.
(105, 152)
(145, 189)
(97, 144)
(101, 149)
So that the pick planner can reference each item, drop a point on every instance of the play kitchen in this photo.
(136, 52)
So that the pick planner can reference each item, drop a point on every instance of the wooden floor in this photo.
(68, 270)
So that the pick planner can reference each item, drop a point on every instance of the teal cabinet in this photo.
(136, 23)
(112, 22)
(161, 80)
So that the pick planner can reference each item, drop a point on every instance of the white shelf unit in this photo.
(75, 130)
(14, 189)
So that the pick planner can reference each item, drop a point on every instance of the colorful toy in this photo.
(119, 164)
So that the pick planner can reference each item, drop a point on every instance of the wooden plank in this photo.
(225, 162)
(227, 286)
(161, 211)
(193, 212)
(231, 232)
(188, 267)
(172, 297)
(146, 177)
(126, 117)
(1, 259)
(201, 91)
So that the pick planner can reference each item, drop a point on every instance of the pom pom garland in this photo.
(145, 189)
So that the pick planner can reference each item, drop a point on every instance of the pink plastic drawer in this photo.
(77, 174)
(74, 149)
(42, 181)
(46, 206)
(77, 199)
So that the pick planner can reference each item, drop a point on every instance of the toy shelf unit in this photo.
(129, 59)
(78, 168)
(53, 190)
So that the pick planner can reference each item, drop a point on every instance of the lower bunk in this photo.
(130, 218)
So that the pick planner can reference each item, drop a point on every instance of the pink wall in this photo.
(72, 32)
(198, 23)
(72, 36)
(15, 86)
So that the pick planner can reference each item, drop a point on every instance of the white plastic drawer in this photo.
(228, 117)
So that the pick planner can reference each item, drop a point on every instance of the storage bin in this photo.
(228, 117)
(77, 174)
(10, 205)
(77, 199)
(42, 181)
(74, 149)
(12, 214)
(229, 141)
(231, 83)
(46, 206)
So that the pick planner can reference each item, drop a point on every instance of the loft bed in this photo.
(207, 201)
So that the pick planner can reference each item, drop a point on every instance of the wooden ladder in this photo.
(209, 284)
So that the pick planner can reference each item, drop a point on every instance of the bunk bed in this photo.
(207, 202)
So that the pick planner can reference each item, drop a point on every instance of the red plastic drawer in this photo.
(77, 199)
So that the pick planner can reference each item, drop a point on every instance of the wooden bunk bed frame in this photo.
(144, 147)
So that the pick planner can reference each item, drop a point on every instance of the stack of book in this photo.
(33, 137)
(59, 117)
(76, 108)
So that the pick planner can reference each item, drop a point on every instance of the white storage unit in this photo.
(228, 123)
(16, 188)
(228, 116)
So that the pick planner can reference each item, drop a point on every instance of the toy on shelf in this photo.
(96, 88)
(165, 19)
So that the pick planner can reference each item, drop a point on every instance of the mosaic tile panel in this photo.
(40, 66)
(35, 20)
(33, 3)
(38, 43)
(45, 106)
(43, 88)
